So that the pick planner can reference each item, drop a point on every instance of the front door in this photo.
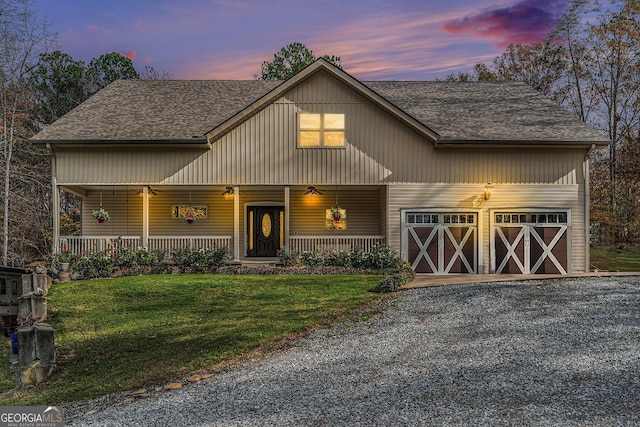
(265, 230)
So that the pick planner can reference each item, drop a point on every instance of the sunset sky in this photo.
(229, 39)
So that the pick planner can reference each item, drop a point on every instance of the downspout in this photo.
(587, 206)
(55, 199)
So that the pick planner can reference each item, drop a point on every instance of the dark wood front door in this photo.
(264, 230)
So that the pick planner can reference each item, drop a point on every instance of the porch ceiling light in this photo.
(488, 191)
(311, 191)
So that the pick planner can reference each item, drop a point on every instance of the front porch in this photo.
(251, 222)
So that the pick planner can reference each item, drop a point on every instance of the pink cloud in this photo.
(139, 25)
(525, 22)
(130, 54)
(97, 28)
(148, 59)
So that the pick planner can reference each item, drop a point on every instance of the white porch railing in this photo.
(80, 245)
(330, 244)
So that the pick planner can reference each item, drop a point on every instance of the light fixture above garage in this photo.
(488, 191)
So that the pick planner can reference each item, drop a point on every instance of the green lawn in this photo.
(615, 261)
(131, 332)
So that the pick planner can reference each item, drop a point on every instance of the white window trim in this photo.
(321, 130)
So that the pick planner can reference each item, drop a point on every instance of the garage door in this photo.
(530, 243)
(442, 243)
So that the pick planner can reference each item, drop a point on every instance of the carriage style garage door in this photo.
(442, 243)
(530, 242)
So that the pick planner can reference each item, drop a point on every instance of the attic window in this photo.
(321, 130)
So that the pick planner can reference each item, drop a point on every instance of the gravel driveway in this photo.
(561, 352)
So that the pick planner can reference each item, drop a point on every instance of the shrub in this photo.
(382, 257)
(289, 259)
(200, 260)
(89, 266)
(356, 259)
(389, 284)
(312, 259)
(140, 261)
(402, 274)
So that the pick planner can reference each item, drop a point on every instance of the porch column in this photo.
(56, 214)
(236, 223)
(55, 196)
(286, 218)
(145, 216)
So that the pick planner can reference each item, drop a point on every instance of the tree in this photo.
(484, 74)
(540, 65)
(290, 60)
(23, 35)
(150, 73)
(59, 86)
(613, 71)
(575, 93)
(481, 73)
(107, 69)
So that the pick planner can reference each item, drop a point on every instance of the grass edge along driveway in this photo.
(122, 334)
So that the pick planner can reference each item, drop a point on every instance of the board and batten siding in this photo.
(263, 151)
(219, 221)
(460, 197)
(362, 206)
(307, 213)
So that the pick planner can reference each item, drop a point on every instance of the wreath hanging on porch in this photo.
(190, 216)
(336, 213)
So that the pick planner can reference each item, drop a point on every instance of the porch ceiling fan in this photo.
(311, 190)
(150, 191)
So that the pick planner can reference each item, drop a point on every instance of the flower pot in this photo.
(64, 266)
(100, 220)
(190, 221)
(336, 217)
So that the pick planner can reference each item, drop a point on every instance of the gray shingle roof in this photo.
(139, 110)
(171, 110)
(485, 111)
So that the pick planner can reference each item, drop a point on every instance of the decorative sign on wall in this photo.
(336, 219)
(179, 211)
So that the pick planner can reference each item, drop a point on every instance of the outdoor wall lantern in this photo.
(488, 191)
(228, 192)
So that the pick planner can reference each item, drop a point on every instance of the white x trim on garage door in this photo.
(441, 243)
(530, 242)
